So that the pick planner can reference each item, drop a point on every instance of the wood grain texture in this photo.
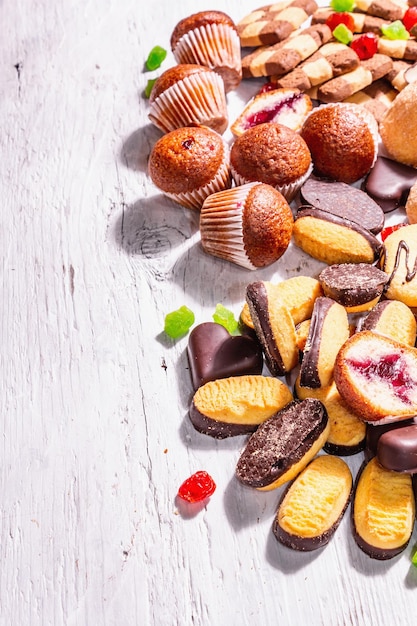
(95, 434)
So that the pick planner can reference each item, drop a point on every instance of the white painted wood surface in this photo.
(95, 433)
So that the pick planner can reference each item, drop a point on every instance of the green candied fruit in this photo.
(225, 318)
(179, 322)
(395, 30)
(343, 34)
(414, 558)
(342, 6)
(149, 86)
(155, 58)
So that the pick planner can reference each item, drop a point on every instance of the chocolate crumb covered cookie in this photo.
(237, 405)
(357, 287)
(383, 511)
(313, 506)
(283, 445)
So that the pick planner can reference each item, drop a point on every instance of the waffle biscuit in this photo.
(273, 23)
(285, 55)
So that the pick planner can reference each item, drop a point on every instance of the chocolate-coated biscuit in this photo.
(287, 54)
(397, 449)
(393, 319)
(389, 183)
(273, 23)
(356, 286)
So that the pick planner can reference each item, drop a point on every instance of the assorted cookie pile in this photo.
(339, 348)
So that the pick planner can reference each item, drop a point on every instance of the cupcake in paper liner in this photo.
(250, 225)
(190, 163)
(273, 154)
(343, 141)
(188, 94)
(209, 38)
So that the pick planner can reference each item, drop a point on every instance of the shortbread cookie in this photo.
(345, 201)
(332, 239)
(383, 511)
(398, 48)
(389, 10)
(329, 329)
(377, 377)
(283, 445)
(331, 60)
(393, 319)
(397, 76)
(314, 504)
(286, 55)
(273, 23)
(400, 263)
(376, 97)
(237, 405)
(357, 287)
(363, 23)
(274, 326)
(347, 433)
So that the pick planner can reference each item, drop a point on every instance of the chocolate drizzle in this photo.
(410, 273)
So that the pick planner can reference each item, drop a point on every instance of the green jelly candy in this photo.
(179, 322)
(395, 30)
(342, 6)
(149, 86)
(155, 58)
(343, 34)
(414, 558)
(225, 318)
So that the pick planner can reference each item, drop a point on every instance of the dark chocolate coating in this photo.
(257, 299)
(389, 183)
(353, 284)
(309, 373)
(213, 353)
(374, 432)
(397, 449)
(345, 201)
(319, 214)
(216, 429)
(280, 442)
(341, 450)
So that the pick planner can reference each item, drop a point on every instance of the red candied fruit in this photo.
(365, 46)
(390, 229)
(197, 487)
(410, 18)
(335, 19)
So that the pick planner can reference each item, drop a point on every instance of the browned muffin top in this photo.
(204, 18)
(341, 143)
(270, 153)
(173, 75)
(186, 159)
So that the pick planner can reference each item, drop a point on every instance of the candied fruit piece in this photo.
(365, 46)
(197, 487)
(410, 18)
(343, 34)
(336, 18)
(395, 30)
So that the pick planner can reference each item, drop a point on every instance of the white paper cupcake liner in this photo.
(197, 99)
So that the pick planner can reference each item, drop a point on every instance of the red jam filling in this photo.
(268, 115)
(389, 368)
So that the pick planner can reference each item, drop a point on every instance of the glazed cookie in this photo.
(313, 506)
(237, 405)
(283, 445)
(400, 263)
(393, 319)
(274, 326)
(377, 377)
(356, 286)
(332, 239)
(329, 329)
(383, 511)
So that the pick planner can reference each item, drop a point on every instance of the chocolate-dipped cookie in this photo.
(357, 287)
(345, 201)
(393, 319)
(383, 511)
(237, 405)
(283, 445)
(329, 329)
(313, 506)
(397, 449)
(213, 353)
(389, 183)
(333, 239)
(274, 327)
(375, 431)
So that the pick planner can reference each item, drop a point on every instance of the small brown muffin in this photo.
(188, 164)
(188, 94)
(271, 153)
(343, 141)
(313, 506)
(250, 225)
(398, 128)
(209, 38)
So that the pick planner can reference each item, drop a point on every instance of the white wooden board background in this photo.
(95, 433)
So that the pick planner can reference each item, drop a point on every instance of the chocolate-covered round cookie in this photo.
(356, 286)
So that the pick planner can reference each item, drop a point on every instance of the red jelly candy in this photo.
(390, 229)
(335, 19)
(365, 46)
(410, 18)
(197, 487)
